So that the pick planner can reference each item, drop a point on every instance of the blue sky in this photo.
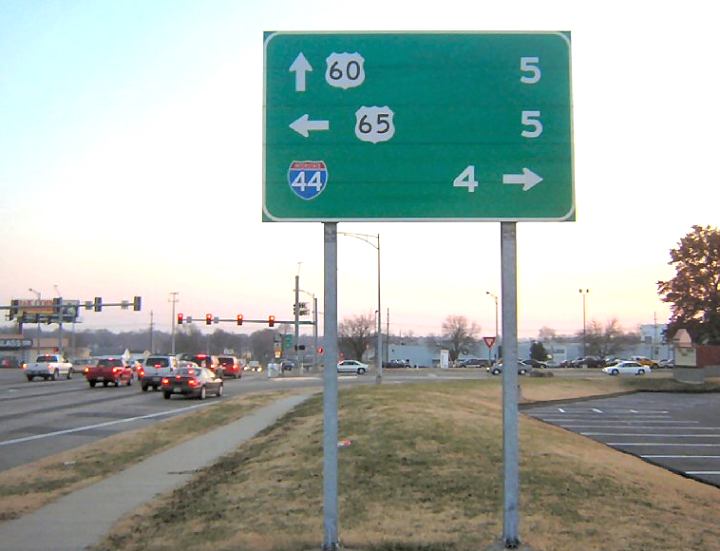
(131, 163)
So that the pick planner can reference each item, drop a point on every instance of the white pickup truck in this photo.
(49, 366)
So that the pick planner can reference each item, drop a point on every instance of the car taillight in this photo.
(117, 369)
(141, 371)
(193, 382)
(177, 377)
(86, 370)
(165, 381)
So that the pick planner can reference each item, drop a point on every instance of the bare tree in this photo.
(458, 335)
(547, 334)
(355, 335)
(608, 340)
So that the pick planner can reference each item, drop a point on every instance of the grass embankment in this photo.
(29, 487)
(424, 473)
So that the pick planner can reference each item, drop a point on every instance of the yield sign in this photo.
(489, 341)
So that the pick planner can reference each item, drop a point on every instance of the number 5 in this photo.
(531, 118)
(530, 65)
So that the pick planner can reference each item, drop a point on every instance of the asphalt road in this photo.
(40, 418)
(677, 431)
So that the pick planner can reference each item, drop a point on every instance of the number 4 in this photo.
(466, 179)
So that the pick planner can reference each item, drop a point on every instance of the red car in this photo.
(231, 366)
(192, 381)
(109, 370)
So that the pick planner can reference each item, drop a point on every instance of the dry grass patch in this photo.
(29, 487)
(424, 473)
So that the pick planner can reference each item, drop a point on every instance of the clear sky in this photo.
(131, 164)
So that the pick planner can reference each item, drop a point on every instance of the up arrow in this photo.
(304, 125)
(300, 66)
(528, 179)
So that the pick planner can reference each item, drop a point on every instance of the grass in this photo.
(28, 487)
(424, 473)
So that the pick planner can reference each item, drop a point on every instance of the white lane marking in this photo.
(661, 445)
(561, 410)
(100, 425)
(702, 472)
(608, 418)
(634, 411)
(649, 434)
(596, 410)
(681, 456)
(635, 427)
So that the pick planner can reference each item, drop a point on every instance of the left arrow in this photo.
(300, 66)
(304, 125)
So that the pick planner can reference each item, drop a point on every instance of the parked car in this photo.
(473, 362)
(154, 369)
(535, 363)
(9, 362)
(589, 361)
(231, 366)
(109, 370)
(627, 368)
(666, 363)
(523, 368)
(192, 381)
(396, 363)
(352, 366)
(644, 360)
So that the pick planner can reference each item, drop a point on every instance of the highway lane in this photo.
(40, 418)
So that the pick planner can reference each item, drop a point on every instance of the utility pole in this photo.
(173, 298)
(297, 325)
(152, 334)
(387, 336)
(584, 293)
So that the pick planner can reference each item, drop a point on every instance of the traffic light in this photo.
(180, 319)
(137, 303)
(97, 304)
(239, 319)
(208, 319)
(271, 321)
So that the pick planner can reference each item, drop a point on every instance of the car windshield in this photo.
(226, 361)
(46, 358)
(188, 372)
(157, 362)
(110, 363)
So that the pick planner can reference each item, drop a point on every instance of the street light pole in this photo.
(378, 350)
(584, 293)
(174, 300)
(39, 298)
(496, 321)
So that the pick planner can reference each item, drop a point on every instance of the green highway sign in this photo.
(417, 126)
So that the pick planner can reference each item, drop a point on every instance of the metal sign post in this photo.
(330, 393)
(508, 252)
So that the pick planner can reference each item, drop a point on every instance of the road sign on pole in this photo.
(489, 341)
(417, 126)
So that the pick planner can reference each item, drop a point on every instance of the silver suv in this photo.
(154, 368)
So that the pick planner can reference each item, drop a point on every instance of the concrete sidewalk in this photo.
(81, 519)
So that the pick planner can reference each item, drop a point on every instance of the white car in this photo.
(352, 366)
(626, 368)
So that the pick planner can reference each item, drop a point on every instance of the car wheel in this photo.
(144, 387)
(92, 384)
(641, 372)
(167, 395)
(55, 375)
(220, 391)
(130, 381)
(155, 388)
(614, 372)
(105, 383)
(495, 372)
(523, 372)
(117, 383)
(30, 378)
(69, 374)
(203, 395)
(361, 371)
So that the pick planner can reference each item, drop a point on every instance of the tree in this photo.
(547, 334)
(609, 340)
(262, 344)
(538, 352)
(458, 335)
(694, 292)
(355, 335)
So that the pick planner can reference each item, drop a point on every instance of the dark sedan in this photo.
(192, 381)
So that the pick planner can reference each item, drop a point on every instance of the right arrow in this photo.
(528, 179)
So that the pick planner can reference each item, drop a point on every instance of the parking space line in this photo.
(661, 445)
(702, 472)
(680, 456)
(649, 434)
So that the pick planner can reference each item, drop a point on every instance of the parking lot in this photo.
(680, 432)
